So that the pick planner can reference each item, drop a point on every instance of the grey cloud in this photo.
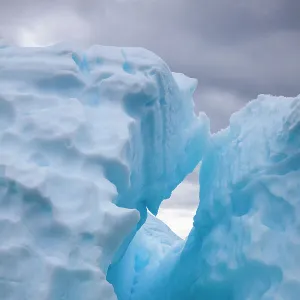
(186, 195)
(229, 21)
(236, 49)
(242, 49)
(180, 220)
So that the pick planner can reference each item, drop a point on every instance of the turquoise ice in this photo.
(93, 140)
(245, 241)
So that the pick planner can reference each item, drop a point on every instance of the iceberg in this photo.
(89, 141)
(93, 140)
(245, 241)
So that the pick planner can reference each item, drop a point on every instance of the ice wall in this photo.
(89, 139)
(245, 243)
(247, 225)
(92, 139)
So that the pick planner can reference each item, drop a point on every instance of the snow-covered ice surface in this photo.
(89, 139)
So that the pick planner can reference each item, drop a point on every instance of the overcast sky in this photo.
(236, 49)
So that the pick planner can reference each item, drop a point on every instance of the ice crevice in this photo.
(93, 140)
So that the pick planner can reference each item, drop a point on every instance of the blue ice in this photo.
(93, 140)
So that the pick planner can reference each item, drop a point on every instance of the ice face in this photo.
(89, 140)
(92, 139)
(248, 221)
(246, 240)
